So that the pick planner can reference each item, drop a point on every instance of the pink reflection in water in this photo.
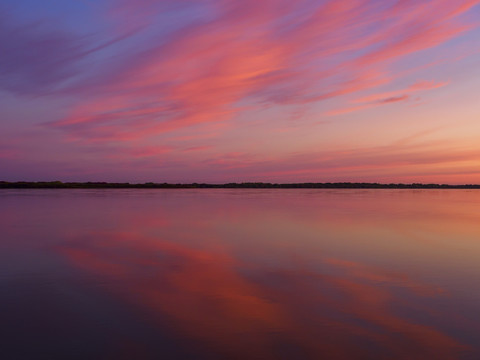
(207, 297)
(277, 274)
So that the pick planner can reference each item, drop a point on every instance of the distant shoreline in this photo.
(244, 185)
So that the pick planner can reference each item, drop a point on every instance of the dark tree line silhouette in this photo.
(243, 185)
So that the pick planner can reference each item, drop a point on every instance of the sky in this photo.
(234, 91)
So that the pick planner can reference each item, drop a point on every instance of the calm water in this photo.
(240, 274)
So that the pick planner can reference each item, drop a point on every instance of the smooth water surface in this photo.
(240, 274)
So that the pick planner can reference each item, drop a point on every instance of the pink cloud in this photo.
(198, 148)
(148, 151)
(394, 99)
(418, 86)
(417, 26)
(385, 98)
(407, 158)
(268, 53)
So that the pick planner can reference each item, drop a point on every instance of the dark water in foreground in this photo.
(240, 274)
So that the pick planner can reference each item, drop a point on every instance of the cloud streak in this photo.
(386, 98)
(233, 88)
(276, 53)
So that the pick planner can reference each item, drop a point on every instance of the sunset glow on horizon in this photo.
(231, 91)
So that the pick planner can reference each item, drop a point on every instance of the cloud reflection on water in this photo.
(240, 310)
(268, 274)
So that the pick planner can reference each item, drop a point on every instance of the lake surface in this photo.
(240, 274)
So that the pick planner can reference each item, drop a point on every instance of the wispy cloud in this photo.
(36, 57)
(204, 87)
(385, 98)
(278, 52)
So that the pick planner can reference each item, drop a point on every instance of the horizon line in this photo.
(230, 185)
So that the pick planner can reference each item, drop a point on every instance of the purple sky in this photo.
(223, 90)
